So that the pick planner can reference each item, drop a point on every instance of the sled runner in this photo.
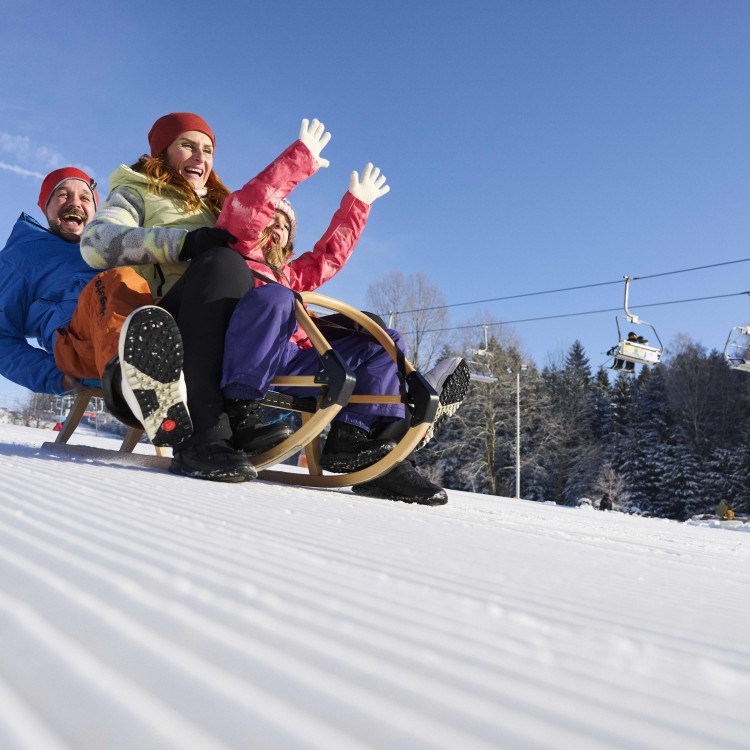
(333, 385)
(635, 348)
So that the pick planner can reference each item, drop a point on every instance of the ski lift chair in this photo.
(334, 384)
(737, 348)
(633, 350)
(478, 371)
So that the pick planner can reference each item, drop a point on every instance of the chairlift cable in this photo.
(509, 296)
(570, 288)
(577, 314)
(695, 268)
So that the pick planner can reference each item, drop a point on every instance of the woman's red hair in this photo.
(162, 176)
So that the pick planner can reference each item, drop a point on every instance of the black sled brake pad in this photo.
(423, 399)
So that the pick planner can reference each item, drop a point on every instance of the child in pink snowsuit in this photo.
(262, 339)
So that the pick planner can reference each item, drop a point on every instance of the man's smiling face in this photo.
(69, 209)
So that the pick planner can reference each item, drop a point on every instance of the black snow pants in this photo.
(202, 302)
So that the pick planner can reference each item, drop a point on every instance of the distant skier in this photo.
(725, 511)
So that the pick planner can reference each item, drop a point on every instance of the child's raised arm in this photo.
(247, 212)
(312, 269)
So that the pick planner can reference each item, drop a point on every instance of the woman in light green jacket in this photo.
(159, 219)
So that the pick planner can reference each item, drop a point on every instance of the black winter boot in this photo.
(217, 461)
(349, 448)
(249, 434)
(403, 482)
(113, 398)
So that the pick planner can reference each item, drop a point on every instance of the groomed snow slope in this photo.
(144, 610)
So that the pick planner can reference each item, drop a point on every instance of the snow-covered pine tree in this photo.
(572, 457)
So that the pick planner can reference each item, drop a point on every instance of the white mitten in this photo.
(370, 186)
(314, 136)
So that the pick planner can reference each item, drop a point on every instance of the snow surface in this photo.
(143, 610)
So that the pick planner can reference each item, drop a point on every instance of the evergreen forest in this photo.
(670, 440)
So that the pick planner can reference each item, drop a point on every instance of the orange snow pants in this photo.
(84, 347)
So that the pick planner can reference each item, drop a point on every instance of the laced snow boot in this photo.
(153, 385)
(249, 434)
(217, 461)
(349, 448)
(450, 378)
(405, 484)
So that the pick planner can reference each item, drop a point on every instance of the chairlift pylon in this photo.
(634, 349)
(478, 371)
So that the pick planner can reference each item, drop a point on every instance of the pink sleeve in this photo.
(248, 211)
(312, 269)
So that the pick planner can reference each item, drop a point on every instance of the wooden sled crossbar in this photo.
(334, 383)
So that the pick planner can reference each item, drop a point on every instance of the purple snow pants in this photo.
(257, 348)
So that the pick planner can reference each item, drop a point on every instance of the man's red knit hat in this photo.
(169, 127)
(54, 179)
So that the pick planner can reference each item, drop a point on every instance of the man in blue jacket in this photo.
(41, 275)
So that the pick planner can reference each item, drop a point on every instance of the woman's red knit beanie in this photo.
(169, 127)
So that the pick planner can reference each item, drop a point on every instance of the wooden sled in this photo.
(334, 382)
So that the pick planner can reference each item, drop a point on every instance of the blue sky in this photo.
(529, 145)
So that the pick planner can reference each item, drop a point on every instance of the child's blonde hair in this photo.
(273, 253)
